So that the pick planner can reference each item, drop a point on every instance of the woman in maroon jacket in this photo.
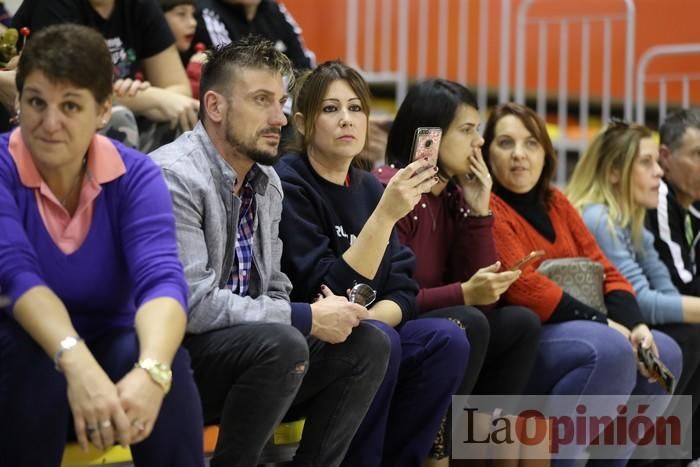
(449, 231)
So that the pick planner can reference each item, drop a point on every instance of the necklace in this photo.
(74, 184)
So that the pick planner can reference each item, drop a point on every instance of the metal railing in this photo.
(564, 23)
(396, 46)
(391, 42)
(682, 77)
(380, 45)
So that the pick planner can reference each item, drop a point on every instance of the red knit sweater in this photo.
(515, 238)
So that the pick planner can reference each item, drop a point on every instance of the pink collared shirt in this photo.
(104, 164)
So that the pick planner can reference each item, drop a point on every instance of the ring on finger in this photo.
(90, 429)
(106, 424)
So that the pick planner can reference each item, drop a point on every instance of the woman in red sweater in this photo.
(450, 232)
(582, 351)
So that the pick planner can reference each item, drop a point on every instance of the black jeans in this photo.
(503, 345)
(502, 349)
(687, 336)
(249, 376)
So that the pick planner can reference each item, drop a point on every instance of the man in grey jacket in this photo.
(254, 354)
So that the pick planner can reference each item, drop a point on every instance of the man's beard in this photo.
(256, 155)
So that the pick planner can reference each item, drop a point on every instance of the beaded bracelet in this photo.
(471, 213)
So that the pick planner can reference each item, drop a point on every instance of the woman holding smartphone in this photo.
(338, 230)
(582, 350)
(450, 232)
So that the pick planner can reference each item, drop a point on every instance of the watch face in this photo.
(159, 372)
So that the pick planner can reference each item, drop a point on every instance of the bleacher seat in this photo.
(280, 448)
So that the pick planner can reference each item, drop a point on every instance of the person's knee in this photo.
(669, 352)
(477, 326)
(389, 335)
(449, 340)
(525, 321)
(373, 348)
(611, 356)
(286, 346)
(475, 323)
(391, 343)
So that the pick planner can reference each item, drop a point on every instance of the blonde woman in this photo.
(613, 185)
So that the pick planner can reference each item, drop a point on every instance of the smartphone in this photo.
(534, 254)
(426, 143)
(657, 369)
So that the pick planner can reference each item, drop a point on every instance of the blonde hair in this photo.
(603, 176)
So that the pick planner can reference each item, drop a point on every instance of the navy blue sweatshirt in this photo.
(320, 220)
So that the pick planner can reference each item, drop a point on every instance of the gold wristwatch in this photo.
(160, 373)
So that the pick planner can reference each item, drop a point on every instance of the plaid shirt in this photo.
(243, 255)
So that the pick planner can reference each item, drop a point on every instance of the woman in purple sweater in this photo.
(450, 232)
(90, 340)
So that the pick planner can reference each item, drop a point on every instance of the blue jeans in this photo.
(427, 364)
(251, 375)
(36, 417)
(588, 358)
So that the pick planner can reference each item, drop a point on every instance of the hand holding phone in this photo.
(520, 265)
(426, 144)
(656, 368)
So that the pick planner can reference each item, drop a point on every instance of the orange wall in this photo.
(657, 22)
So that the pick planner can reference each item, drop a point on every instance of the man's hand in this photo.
(333, 317)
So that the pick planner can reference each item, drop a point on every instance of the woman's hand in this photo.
(487, 285)
(95, 404)
(619, 328)
(476, 186)
(405, 189)
(641, 334)
(141, 398)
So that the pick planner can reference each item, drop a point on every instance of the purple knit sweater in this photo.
(128, 257)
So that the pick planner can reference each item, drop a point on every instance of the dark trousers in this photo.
(502, 350)
(687, 336)
(249, 376)
(428, 357)
(502, 347)
(35, 419)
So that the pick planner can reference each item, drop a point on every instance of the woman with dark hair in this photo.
(90, 266)
(450, 232)
(338, 229)
(582, 350)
